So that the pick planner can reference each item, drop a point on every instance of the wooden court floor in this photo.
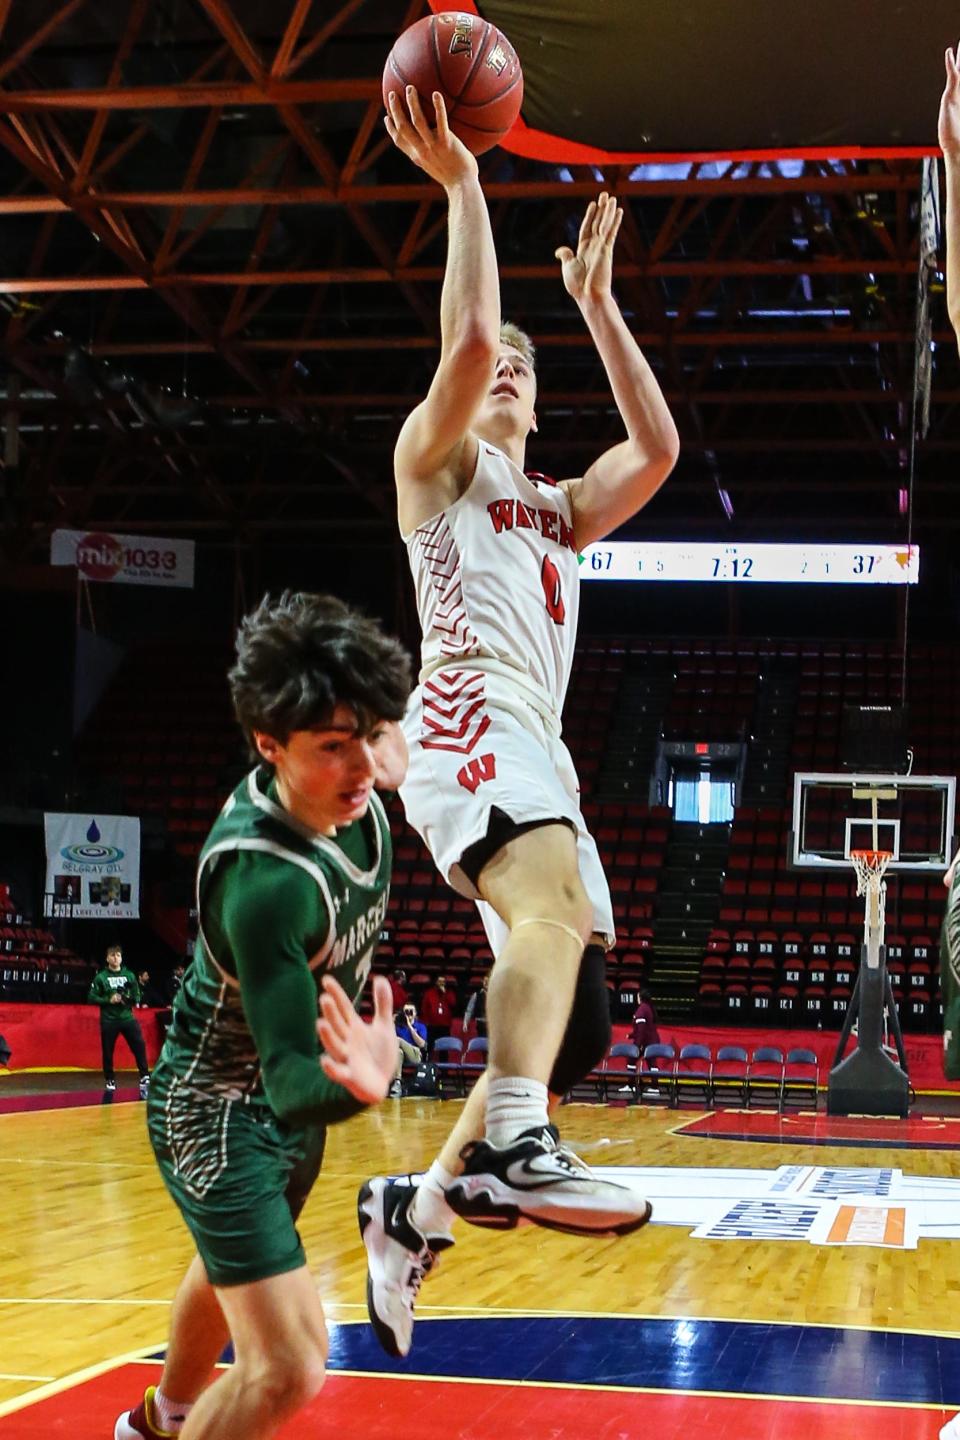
(91, 1248)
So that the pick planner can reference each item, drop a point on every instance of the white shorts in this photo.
(475, 742)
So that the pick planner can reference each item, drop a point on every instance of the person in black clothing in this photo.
(115, 989)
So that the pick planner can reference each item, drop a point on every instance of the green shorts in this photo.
(239, 1178)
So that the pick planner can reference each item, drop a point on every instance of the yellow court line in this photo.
(488, 1312)
(495, 1312)
(142, 1357)
(69, 1382)
(51, 1070)
(645, 1390)
(78, 1300)
(612, 1389)
(453, 1310)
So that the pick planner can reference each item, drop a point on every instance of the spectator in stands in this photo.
(176, 980)
(115, 990)
(411, 1042)
(436, 1010)
(398, 985)
(149, 994)
(476, 1011)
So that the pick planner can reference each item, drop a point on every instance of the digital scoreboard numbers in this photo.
(752, 563)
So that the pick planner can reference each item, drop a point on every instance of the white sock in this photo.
(514, 1104)
(170, 1414)
(429, 1210)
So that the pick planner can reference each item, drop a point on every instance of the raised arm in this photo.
(623, 479)
(434, 435)
(948, 132)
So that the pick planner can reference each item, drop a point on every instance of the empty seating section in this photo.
(34, 967)
(787, 945)
(166, 730)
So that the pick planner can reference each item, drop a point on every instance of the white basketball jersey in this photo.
(497, 575)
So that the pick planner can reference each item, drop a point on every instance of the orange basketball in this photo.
(471, 63)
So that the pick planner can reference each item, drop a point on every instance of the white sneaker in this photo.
(144, 1086)
(396, 1090)
(535, 1178)
(951, 1431)
(399, 1256)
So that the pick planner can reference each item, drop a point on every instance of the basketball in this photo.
(474, 67)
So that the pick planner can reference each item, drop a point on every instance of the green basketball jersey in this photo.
(306, 903)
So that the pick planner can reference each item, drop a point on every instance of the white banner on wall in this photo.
(93, 866)
(125, 559)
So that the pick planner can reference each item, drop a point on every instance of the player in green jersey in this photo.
(115, 989)
(291, 893)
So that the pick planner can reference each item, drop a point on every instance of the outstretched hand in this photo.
(360, 1055)
(948, 125)
(588, 274)
(437, 151)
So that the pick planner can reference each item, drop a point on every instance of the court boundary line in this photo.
(144, 1355)
(453, 1312)
(71, 1381)
(648, 1390)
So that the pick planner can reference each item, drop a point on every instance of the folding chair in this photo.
(765, 1075)
(474, 1059)
(801, 1075)
(693, 1072)
(447, 1056)
(621, 1071)
(730, 1073)
(656, 1078)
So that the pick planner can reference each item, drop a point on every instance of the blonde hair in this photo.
(519, 340)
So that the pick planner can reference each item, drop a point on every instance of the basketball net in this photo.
(870, 867)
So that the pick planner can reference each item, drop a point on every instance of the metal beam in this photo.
(648, 339)
(382, 275)
(48, 28)
(187, 95)
(311, 194)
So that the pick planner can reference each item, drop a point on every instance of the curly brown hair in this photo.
(301, 655)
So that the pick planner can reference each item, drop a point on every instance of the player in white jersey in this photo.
(948, 133)
(491, 787)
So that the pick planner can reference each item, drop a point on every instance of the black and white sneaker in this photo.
(537, 1179)
(399, 1256)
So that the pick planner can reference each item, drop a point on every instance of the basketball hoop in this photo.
(870, 867)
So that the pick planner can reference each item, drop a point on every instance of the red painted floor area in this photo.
(921, 1131)
(381, 1408)
(67, 1100)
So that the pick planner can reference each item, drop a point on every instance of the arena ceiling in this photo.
(219, 292)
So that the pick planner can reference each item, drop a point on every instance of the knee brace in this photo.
(588, 1031)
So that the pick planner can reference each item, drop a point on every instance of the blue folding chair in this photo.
(447, 1056)
(730, 1070)
(474, 1059)
(693, 1072)
(658, 1073)
(801, 1076)
(765, 1076)
(620, 1073)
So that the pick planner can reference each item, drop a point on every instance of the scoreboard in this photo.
(752, 563)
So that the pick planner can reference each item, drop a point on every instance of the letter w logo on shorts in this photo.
(476, 771)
